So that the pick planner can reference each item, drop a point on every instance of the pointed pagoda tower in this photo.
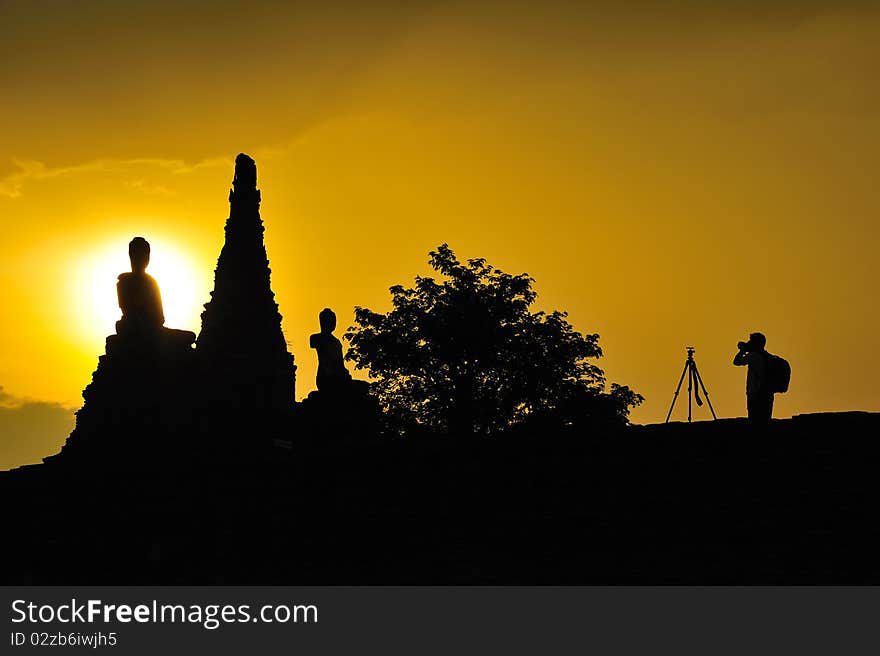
(241, 346)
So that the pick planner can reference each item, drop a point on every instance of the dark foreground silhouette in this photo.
(708, 502)
(194, 465)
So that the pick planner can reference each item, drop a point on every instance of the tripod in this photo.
(695, 383)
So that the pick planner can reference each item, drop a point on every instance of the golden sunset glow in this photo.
(669, 175)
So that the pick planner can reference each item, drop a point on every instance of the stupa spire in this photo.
(241, 344)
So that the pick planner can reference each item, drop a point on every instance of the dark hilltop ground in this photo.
(705, 503)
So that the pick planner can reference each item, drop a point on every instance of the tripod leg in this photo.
(677, 389)
(705, 393)
(697, 398)
(690, 390)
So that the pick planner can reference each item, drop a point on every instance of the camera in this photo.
(743, 346)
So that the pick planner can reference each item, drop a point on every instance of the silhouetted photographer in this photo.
(767, 375)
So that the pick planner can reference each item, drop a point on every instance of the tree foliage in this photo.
(465, 354)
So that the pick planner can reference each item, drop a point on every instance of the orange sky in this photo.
(670, 173)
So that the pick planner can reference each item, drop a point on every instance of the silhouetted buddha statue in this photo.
(332, 374)
(138, 293)
(341, 408)
(145, 382)
(143, 321)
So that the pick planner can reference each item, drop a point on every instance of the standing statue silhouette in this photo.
(332, 375)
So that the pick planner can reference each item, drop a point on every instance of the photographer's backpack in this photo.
(777, 373)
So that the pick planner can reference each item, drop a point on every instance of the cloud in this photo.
(31, 430)
(30, 170)
(145, 187)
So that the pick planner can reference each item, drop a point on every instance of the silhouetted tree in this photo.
(465, 354)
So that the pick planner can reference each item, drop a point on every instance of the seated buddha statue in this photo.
(143, 320)
(138, 294)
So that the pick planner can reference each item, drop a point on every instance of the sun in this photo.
(183, 286)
